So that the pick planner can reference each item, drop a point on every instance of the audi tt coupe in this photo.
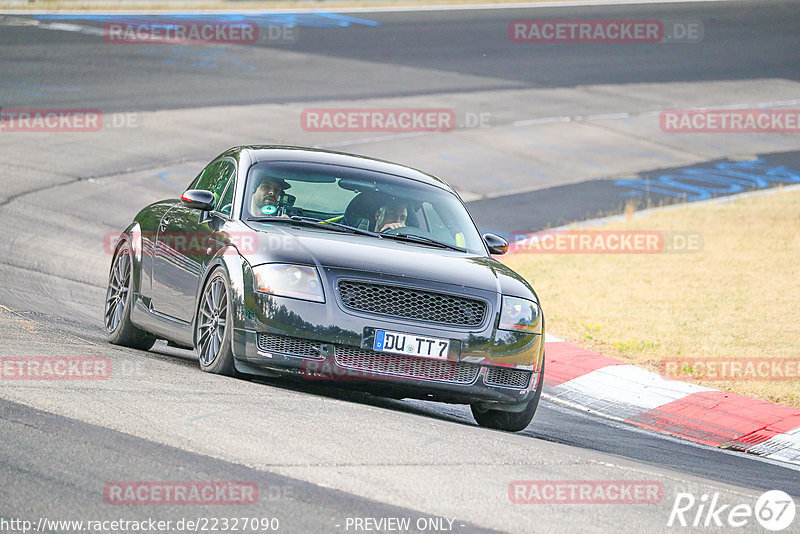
(322, 265)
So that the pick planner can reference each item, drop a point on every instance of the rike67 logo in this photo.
(774, 511)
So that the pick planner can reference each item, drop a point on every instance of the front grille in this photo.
(405, 366)
(291, 346)
(507, 378)
(411, 303)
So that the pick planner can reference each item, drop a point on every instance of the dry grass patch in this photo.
(739, 297)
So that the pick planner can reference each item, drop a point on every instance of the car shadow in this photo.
(454, 413)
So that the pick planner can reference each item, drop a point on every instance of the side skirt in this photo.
(162, 326)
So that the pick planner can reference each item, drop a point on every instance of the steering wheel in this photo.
(410, 230)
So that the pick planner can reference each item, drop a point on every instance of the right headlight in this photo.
(286, 280)
(519, 315)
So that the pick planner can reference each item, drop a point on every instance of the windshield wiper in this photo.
(339, 227)
(328, 224)
(317, 223)
(423, 240)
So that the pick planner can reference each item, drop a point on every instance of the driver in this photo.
(266, 195)
(391, 215)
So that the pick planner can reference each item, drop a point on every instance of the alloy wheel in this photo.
(117, 294)
(213, 321)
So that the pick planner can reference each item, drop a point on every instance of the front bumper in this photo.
(386, 374)
(328, 341)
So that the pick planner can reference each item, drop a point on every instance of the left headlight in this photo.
(519, 315)
(285, 280)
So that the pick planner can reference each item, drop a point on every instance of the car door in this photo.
(186, 242)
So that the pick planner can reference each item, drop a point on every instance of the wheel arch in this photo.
(234, 267)
(133, 235)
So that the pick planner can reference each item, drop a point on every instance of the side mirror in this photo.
(198, 199)
(496, 244)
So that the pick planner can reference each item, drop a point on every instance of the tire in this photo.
(510, 421)
(119, 301)
(214, 326)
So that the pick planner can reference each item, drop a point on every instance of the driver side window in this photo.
(218, 177)
(226, 204)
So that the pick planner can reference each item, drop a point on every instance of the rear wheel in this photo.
(119, 300)
(214, 329)
(510, 421)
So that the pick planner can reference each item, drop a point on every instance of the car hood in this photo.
(342, 251)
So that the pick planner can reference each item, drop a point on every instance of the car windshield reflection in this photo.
(360, 201)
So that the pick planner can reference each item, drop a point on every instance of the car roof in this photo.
(259, 153)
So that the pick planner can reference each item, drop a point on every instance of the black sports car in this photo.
(331, 266)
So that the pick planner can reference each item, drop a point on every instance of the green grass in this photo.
(738, 297)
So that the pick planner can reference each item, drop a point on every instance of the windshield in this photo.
(368, 200)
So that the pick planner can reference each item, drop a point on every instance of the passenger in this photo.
(391, 215)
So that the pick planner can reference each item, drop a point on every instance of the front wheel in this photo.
(119, 300)
(510, 421)
(214, 329)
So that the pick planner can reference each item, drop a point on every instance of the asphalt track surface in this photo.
(734, 48)
(328, 454)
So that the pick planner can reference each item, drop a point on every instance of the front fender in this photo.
(239, 276)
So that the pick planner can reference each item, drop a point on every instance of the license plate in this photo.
(411, 345)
